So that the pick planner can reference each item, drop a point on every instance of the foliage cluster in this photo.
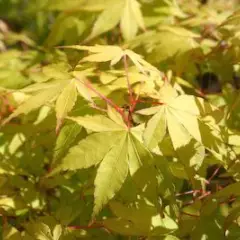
(119, 119)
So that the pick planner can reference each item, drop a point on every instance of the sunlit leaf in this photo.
(98, 123)
(108, 19)
(66, 102)
(37, 101)
(111, 174)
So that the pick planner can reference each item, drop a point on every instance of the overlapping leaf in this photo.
(114, 54)
(66, 101)
(127, 12)
(114, 147)
(131, 19)
(142, 220)
(181, 115)
(38, 100)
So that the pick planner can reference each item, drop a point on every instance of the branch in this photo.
(107, 100)
(191, 215)
(214, 174)
(188, 192)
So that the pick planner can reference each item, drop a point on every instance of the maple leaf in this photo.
(114, 147)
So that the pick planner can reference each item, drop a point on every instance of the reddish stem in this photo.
(214, 174)
(132, 103)
(198, 198)
(188, 192)
(107, 100)
(191, 215)
(231, 199)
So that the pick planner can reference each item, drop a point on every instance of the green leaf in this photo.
(37, 101)
(115, 116)
(142, 65)
(141, 220)
(167, 93)
(128, 23)
(98, 123)
(10, 233)
(111, 175)
(209, 227)
(42, 231)
(101, 53)
(123, 227)
(108, 19)
(192, 105)
(182, 115)
(82, 89)
(89, 151)
(65, 102)
(179, 135)
(155, 129)
(225, 192)
(138, 154)
(232, 216)
(62, 30)
(65, 138)
(57, 232)
(149, 111)
(189, 122)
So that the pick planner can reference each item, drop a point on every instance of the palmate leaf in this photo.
(127, 12)
(114, 54)
(180, 115)
(37, 100)
(101, 53)
(116, 148)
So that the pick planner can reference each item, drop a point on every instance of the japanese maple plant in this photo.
(121, 136)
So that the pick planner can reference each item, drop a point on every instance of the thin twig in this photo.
(191, 215)
(214, 174)
(107, 100)
(198, 198)
(188, 193)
